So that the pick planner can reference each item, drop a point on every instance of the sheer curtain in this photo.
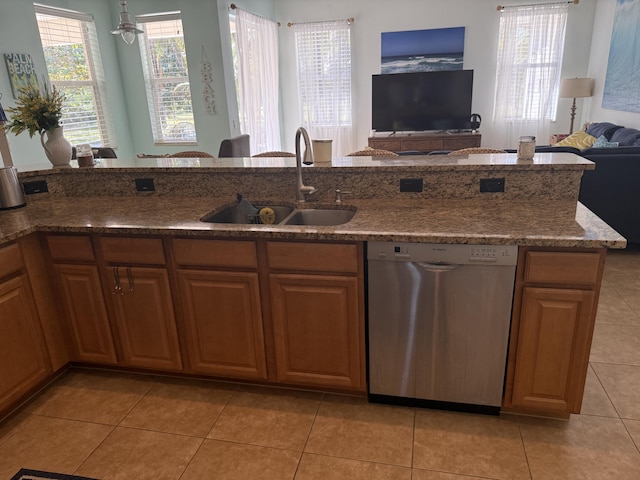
(323, 51)
(257, 80)
(530, 47)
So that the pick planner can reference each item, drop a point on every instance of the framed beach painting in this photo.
(22, 73)
(622, 83)
(422, 50)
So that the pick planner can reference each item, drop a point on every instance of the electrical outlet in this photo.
(411, 185)
(36, 186)
(492, 185)
(145, 185)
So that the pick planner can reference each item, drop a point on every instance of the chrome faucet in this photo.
(303, 190)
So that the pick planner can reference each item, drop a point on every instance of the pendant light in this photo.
(126, 28)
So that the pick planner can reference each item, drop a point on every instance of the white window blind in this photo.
(323, 51)
(530, 50)
(74, 67)
(164, 64)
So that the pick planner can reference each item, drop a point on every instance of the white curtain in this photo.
(257, 80)
(323, 51)
(530, 47)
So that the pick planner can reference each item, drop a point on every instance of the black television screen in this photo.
(422, 101)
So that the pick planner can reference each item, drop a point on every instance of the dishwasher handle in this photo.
(438, 267)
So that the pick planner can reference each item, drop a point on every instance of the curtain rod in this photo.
(500, 8)
(349, 21)
(233, 6)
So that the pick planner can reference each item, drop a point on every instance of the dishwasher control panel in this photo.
(443, 253)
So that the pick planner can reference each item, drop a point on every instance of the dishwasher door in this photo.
(439, 332)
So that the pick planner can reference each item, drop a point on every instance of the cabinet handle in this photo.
(117, 288)
(132, 286)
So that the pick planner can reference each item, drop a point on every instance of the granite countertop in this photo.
(100, 200)
(553, 224)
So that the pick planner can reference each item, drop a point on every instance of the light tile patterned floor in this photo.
(120, 426)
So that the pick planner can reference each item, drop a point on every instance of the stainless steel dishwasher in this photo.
(438, 323)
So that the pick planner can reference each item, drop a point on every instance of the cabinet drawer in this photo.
(215, 253)
(458, 143)
(10, 260)
(562, 268)
(384, 144)
(132, 250)
(70, 248)
(423, 144)
(317, 257)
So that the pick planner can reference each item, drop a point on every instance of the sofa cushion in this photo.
(579, 140)
(625, 136)
(603, 128)
(602, 142)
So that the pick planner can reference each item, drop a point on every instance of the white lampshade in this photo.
(576, 87)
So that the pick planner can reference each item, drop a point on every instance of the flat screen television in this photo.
(422, 101)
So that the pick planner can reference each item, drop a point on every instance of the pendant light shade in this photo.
(127, 29)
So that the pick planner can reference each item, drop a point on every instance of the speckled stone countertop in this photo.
(538, 208)
(555, 224)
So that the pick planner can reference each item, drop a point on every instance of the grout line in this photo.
(113, 429)
(613, 405)
(191, 460)
(524, 449)
(304, 447)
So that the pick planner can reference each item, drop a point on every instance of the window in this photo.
(323, 51)
(530, 47)
(74, 67)
(164, 64)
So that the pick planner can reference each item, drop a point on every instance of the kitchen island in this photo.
(102, 254)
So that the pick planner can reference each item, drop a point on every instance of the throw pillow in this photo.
(579, 140)
(603, 128)
(625, 136)
(602, 142)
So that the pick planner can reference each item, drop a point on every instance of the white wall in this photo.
(372, 17)
(601, 40)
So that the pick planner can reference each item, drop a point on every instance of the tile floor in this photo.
(118, 426)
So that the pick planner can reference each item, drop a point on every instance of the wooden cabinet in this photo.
(81, 294)
(553, 319)
(317, 313)
(221, 310)
(24, 361)
(426, 142)
(141, 303)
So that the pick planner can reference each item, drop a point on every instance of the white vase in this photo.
(57, 148)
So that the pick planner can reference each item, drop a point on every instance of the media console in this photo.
(425, 142)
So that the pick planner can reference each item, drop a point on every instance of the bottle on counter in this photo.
(84, 155)
(526, 148)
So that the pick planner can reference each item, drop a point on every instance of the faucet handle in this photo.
(339, 194)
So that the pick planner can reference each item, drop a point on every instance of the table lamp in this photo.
(575, 88)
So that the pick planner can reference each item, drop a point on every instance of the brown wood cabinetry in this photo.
(141, 302)
(426, 142)
(81, 294)
(221, 310)
(24, 361)
(317, 317)
(554, 314)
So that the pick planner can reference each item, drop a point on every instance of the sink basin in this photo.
(320, 217)
(234, 215)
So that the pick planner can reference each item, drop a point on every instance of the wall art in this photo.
(208, 95)
(22, 73)
(622, 84)
(422, 50)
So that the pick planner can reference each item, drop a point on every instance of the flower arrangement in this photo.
(36, 111)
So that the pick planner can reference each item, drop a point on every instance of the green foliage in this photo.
(36, 111)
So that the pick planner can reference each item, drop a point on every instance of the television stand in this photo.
(426, 141)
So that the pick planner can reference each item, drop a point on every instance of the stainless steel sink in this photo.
(234, 215)
(319, 217)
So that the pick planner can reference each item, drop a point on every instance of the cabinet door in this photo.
(223, 323)
(553, 349)
(144, 319)
(317, 330)
(23, 356)
(86, 313)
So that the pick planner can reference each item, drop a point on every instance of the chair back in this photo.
(190, 154)
(275, 154)
(235, 147)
